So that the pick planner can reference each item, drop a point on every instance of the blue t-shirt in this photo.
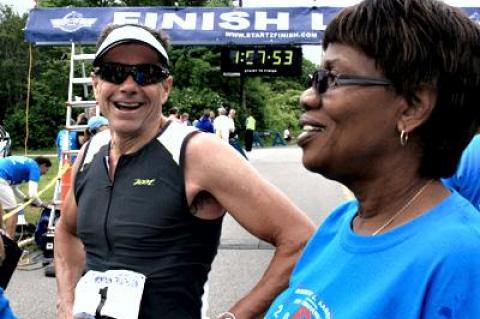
(428, 268)
(19, 169)
(65, 143)
(205, 125)
(466, 180)
(5, 310)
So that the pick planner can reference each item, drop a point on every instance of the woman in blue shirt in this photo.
(388, 114)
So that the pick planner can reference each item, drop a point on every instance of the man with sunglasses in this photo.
(147, 204)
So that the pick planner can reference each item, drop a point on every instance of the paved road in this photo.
(241, 259)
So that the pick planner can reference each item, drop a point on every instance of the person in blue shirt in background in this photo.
(466, 179)
(204, 123)
(15, 170)
(96, 124)
(66, 141)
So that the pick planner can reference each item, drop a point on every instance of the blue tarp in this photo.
(188, 25)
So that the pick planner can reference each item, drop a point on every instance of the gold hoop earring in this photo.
(403, 138)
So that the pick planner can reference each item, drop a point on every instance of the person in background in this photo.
(15, 170)
(250, 126)
(212, 116)
(82, 120)
(388, 114)
(96, 125)
(287, 134)
(204, 123)
(195, 121)
(466, 179)
(83, 117)
(184, 119)
(149, 198)
(231, 117)
(233, 137)
(222, 124)
(66, 141)
(173, 114)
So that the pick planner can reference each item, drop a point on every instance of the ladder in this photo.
(85, 81)
(79, 79)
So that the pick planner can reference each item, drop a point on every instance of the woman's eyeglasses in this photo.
(322, 80)
(143, 74)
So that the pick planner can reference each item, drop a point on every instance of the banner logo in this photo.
(72, 22)
(475, 17)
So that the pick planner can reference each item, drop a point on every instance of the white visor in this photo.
(126, 34)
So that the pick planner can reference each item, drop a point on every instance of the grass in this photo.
(33, 213)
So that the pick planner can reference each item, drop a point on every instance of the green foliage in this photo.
(281, 110)
(48, 94)
(199, 84)
(192, 101)
(13, 61)
(76, 3)
(128, 3)
(219, 3)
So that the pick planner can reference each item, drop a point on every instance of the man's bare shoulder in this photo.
(207, 146)
(209, 160)
(202, 137)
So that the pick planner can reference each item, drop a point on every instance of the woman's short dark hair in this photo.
(422, 43)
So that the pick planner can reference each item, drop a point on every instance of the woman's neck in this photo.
(385, 204)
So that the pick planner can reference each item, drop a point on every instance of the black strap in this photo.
(103, 298)
(12, 256)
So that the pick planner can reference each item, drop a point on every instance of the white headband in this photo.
(129, 33)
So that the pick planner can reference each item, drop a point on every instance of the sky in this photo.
(20, 6)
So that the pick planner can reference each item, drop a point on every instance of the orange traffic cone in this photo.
(65, 182)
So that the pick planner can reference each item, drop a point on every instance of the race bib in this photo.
(115, 293)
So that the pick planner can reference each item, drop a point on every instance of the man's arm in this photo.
(69, 255)
(255, 204)
(33, 194)
(18, 193)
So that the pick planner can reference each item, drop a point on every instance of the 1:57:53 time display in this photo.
(273, 57)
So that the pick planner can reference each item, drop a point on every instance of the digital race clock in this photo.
(267, 60)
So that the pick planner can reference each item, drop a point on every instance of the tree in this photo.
(128, 3)
(47, 100)
(13, 61)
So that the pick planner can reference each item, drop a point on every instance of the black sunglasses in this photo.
(322, 80)
(143, 74)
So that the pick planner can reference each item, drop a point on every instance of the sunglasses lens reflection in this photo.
(143, 74)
